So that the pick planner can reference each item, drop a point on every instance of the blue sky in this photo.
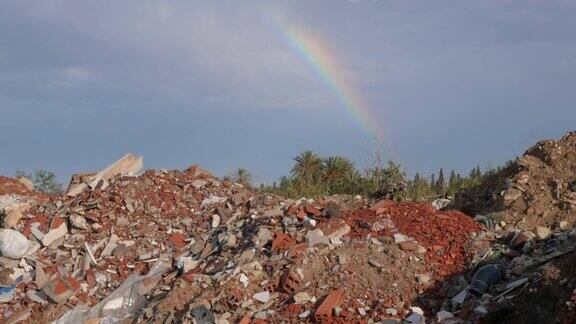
(453, 83)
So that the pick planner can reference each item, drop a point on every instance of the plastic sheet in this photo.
(121, 303)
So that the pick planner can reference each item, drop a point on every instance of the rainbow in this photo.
(319, 56)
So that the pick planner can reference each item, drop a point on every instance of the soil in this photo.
(537, 189)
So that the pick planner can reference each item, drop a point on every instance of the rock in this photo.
(215, 221)
(262, 297)
(542, 232)
(440, 203)
(408, 245)
(110, 246)
(564, 225)
(36, 296)
(13, 244)
(530, 235)
(202, 315)
(41, 278)
(199, 183)
(264, 236)
(78, 221)
(375, 263)
(481, 311)
(423, 279)
(301, 298)
(391, 311)
(415, 319)
(417, 310)
(122, 221)
(511, 196)
(273, 213)
(315, 237)
(244, 280)
(443, 315)
(304, 314)
(399, 238)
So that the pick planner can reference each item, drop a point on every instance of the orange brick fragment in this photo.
(312, 210)
(298, 250)
(178, 240)
(282, 242)
(56, 222)
(60, 287)
(259, 321)
(324, 312)
(245, 320)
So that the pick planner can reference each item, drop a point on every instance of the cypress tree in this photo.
(452, 178)
(440, 183)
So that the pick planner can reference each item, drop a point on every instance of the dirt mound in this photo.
(538, 188)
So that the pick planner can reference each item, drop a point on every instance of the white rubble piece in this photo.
(55, 234)
(14, 212)
(13, 244)
(440, 203)
(79, 221)
(399, 238)
(316, 236)
(262, 297)
(128, 165)
(112, 244)
(443, 315)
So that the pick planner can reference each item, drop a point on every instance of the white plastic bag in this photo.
(13, 244)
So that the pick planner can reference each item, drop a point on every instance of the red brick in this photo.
(298, 250)
(73, 284)
(259, 321)
(245, 320)
(282, 242)
(324, 312)
(312, 210)
(90, 278)
(289, 282)
(292, 310)
(56, 222)
(178, 240)
(60, 287)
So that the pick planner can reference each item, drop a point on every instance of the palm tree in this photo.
(337, 167)
(309, 166)
(243, 177)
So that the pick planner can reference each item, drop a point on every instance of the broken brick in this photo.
(333, 300)
(178, 240)
(289, 282)
(298, 250)
(282, 242)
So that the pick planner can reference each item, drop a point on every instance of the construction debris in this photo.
(185, 246)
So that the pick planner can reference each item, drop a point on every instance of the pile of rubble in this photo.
(538, 189)
(517, 280)
(186, 246)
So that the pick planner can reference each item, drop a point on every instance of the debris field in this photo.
(167, 246)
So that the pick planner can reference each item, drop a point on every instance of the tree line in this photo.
(313, 175)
